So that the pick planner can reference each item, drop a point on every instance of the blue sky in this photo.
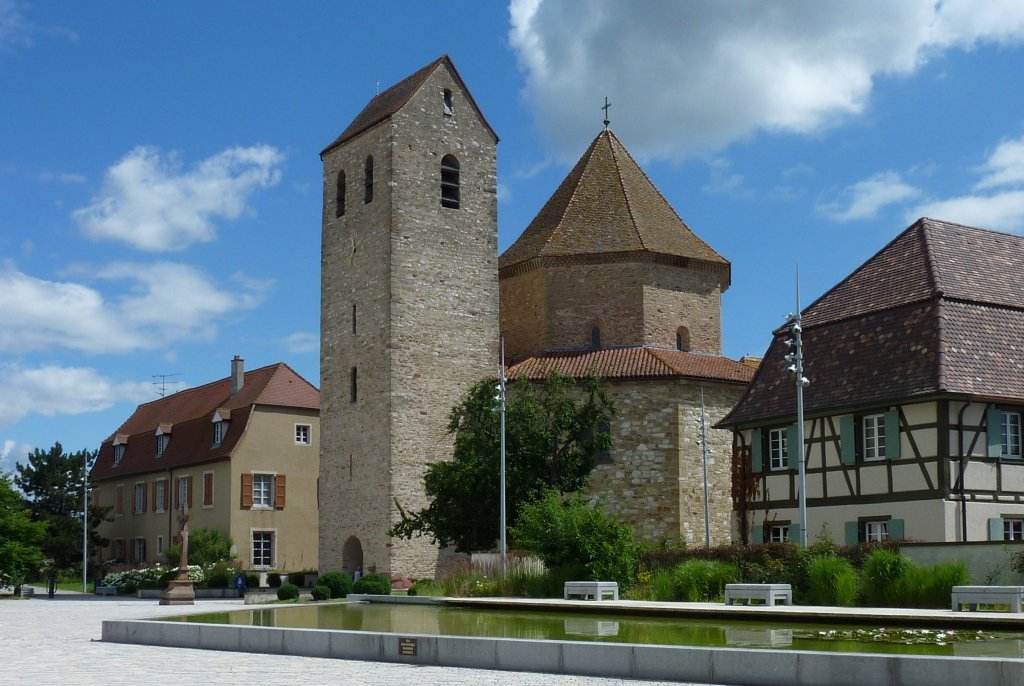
(161, 198)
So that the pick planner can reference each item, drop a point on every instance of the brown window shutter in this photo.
(208, 488)
(177, 492)
(279, 492)
(154, 494)
(247, 491)
(190, 489)
(167, 495)
(145, 492)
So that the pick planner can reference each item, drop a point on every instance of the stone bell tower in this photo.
(409, 308)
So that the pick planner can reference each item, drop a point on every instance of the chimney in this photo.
(237, 374)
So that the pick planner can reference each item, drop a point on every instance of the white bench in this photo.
(769, 594)
(106, 590)
(591, 589)
(973, 596)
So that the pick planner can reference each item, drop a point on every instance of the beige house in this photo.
(913, 414)
(241, 454)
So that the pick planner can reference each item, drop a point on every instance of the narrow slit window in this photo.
(595, 337)
(449, 108)
(353, 389)
(450, 182)
(368, 181)
(353, 317)
(339, 206)
(683, 339)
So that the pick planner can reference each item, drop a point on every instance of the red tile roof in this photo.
(939, 310)
(633, 363)
(385, 105)
(189, 414)
(606, 205)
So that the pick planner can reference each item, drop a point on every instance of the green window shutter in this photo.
(896, 528)
(995, 529)
(994, 432)
(794, 533)
(847, 449)
(792, 448)
(892, 435)
(755, 451)
(757, 534)
(851, 533)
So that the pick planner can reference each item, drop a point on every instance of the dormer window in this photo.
(220, 429)
(161, 444)
(450, 182)
(118, 454)
(449, 108)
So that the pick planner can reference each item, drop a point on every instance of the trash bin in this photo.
(51, 586)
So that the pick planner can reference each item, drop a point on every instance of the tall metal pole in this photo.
(704, 445)
(85, 521)
(503, 545)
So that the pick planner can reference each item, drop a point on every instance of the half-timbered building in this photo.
(912, 424)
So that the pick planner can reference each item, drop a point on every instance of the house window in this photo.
(184, 498)
(777, 533)
(220, 429)
(449, 108)
(160, 495)
(778, 449)
(1010, 435)
(140, 550)
(339, 198)
(368, 181)
(207, 489)
(1013, 529)
(119, 549)
(139, 501)
(876, 532)
(595, 337)
(874, 436)
(302, 434)
(450, 182)
(262, 490)
(119, 503)
(262, 549)
(353, 386)
(118, 454)
(161, 444)
(683, 339)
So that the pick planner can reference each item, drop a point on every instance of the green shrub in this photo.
(373, 584)
(339, 583)
(218, 579)
(881, 570)
(833, 581)
(287, 592)
(321, 592)
(571, 535)
(424, 587)
(274, 579)
(702, 580)
(929, 587)
(252, 580)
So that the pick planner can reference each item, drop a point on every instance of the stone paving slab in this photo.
(56, 641)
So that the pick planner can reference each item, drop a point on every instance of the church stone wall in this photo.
(674, 297)
(523, 308)
(655, 482)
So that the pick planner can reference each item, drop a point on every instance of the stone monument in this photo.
(180, 591)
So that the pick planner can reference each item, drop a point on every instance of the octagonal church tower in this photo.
(409, 308)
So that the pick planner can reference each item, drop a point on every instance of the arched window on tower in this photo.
(450, 182)
(683, 339)
(595, 337)
(339, 204)
(368, 181)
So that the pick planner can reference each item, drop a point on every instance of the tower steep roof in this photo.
(385, 105)
(607, 204)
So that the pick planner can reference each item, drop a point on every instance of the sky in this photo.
(160, 181)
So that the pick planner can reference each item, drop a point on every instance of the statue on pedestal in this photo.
(180, 591)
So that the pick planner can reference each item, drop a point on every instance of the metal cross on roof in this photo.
(605, 108)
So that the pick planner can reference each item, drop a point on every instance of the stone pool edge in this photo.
(616, 660)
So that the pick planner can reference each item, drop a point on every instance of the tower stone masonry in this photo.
(409, 309)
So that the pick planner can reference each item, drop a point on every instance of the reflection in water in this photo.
(525, 624)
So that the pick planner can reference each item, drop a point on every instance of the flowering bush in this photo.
(146, 577)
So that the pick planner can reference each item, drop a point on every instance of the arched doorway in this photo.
(352, 555)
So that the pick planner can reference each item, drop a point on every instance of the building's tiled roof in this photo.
(388, 103)
(608, 205)
(189, 413)
(939, 310)
(633, 363)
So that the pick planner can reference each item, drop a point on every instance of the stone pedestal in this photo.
(179, 592)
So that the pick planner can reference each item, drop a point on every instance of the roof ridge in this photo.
(935, 276)
(622, 184)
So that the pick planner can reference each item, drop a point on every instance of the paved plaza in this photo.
(56, 641)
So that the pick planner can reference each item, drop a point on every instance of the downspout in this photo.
(963, 470)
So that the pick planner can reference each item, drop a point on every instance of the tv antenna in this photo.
(161, 382)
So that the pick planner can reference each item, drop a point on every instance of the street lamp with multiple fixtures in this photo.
(795, 359)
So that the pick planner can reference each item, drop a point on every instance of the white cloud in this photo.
(62, 177)
(14, 29)
(164, 302)
(50, 390)
(13, 452)
(865, 198)
(695, 76)
(149, 203)
(723, 180)
(302, 342)
(1005, 166)
(1002, 211)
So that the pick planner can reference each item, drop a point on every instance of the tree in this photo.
(552, 433)
(205, 547)
(20, 552)
(52, 483)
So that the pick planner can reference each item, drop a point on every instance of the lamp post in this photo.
(85, 521)
(500, 398)
(795, 358)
